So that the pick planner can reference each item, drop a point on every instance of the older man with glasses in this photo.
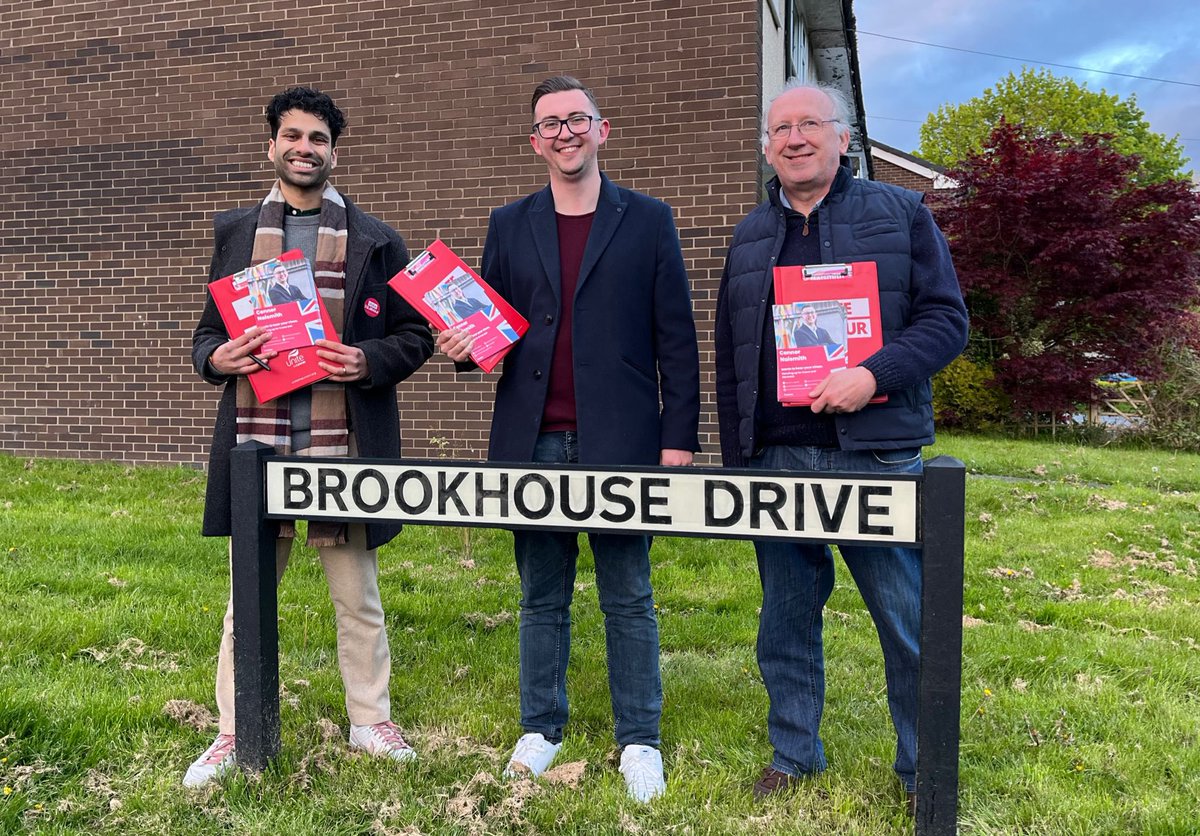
(608, 374)
(818, 212)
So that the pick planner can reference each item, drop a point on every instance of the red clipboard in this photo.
(448, 293)
(244, 300)
(847, 328)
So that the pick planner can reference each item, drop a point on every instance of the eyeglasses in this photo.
(807, 128)
(576, 125)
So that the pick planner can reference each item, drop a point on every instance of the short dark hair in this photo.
(561, 84)
(310, 101)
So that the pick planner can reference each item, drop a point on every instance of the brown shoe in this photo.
(911, 806)
(772, 781)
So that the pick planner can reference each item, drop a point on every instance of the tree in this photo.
(1070, 268)
(1048, 104)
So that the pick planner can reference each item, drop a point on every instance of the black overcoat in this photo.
(394, 337)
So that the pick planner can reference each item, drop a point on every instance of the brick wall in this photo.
(128, 125)
(886, 172)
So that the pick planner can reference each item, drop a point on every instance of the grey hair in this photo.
(841, 105)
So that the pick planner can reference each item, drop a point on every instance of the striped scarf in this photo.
(271, 423)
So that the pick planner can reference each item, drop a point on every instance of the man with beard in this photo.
(598, 272)
(351, 412)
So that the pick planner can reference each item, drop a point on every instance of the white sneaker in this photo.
(534, 753)
(218, 759)
(643, 771)
(381, 739)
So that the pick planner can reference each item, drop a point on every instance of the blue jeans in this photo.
(797, 579)
(546, 564)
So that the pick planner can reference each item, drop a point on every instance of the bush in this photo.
(965, 395)
(1174, 419)
(1070, 267)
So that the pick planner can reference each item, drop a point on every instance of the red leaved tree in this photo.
(1070, 269)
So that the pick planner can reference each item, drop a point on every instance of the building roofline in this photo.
(918, 166)
(912, 158)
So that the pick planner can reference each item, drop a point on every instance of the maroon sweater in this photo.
(559, 412)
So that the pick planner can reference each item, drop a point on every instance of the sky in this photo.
(904, 82)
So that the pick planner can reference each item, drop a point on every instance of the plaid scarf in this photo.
(271, 422)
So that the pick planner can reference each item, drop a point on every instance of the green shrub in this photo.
(1174, 418)
(965, 396)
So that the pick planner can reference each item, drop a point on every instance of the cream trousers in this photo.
(352, 572)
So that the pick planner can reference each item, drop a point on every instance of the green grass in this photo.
(1081, 675)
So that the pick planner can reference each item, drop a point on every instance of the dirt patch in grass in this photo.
(482, 621)
(1004, 572)
(1136, 558)
(133, 654)
(566, 775)
(190, 714)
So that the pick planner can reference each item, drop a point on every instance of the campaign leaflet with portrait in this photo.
(280, 296)
(449, 294)
(810, 342)
(826, 320)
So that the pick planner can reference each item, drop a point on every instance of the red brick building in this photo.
(130, 124)
(891, 165)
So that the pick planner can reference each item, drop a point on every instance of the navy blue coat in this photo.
(803, 336)
(922, 311)
(633, 341)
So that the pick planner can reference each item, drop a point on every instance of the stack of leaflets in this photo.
(449, 294)
(826, 320)
(280, 296)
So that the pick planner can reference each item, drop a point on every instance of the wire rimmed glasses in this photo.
(808, 127)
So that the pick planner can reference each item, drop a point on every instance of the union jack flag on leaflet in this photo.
(310, 313)
(835, 352)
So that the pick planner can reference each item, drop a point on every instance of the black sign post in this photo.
(900, 510)
(939, 685)
(255, 611)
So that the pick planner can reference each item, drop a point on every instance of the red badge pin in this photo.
(371, 306)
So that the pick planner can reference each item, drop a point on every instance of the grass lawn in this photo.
(1081, 676)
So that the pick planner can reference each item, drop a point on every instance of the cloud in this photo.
(905, 81)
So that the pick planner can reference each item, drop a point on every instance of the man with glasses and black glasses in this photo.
(818, 212)
(597, 270)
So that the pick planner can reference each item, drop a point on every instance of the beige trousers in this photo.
(352, 572)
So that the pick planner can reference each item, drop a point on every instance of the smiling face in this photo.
(809, 315)
(281, 276)
(569, 157)
(806, 164)
(304, 157)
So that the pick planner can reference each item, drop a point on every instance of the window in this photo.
(796, 41)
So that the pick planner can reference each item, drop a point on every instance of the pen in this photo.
(260, 361)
